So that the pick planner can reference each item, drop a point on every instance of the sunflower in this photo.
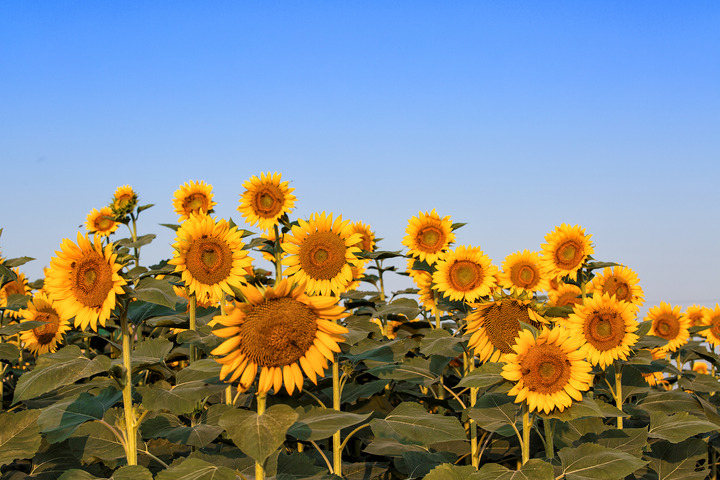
(209, 257)
(565, 294)
(465, 274)
(712, 319)
(124, 201)
(495, 326)
(101, 222)
(669, 323)
(357, 274)
(193, 197)
(524, 272)
(19, 286)
(265, 200)
(321, 254)
(279, 332)
(428, 235)
(607, 325)
(700, 367)
(367, 240)
(566, 250)
(619, 281)
(426, 293)
(697, 315)
(43, 339)
(269, 236)
(657, 378)
(83, 280)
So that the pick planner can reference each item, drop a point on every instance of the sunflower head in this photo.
(465, 274)
(565, 294)
(101, 222)
(619, 281)
(367, 239)
(265, 200)
(566, 250)
(193, 197)
(428, 235)
(669, 323)
(18, 286)
(698, 315)
(124, 201)
(524, 272)
(45, 338)
(711, 318)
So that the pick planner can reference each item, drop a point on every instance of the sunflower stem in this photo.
(437, 310)
(618, 393)
(549, 427)
(2, 383)
(193, 327)
(259, 468)
(469, 367)
(378, 264)
(278, 259)
(527, 426)
(131, 451)
(134, 239)
(337, 441)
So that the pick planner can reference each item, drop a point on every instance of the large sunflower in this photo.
(83, 280)
(124, 201)
(193, 197)
(43, 339)
(565, 294)
(465, 274)
(607, 325)
(101, 222)
(209, 256)
(265, 200)
(19, 286)
(495, 326)
(669, 323)
(524, 272)
(712, 319)
(619, 281)
(321, 254)
(566, 250)
(428, 235)
(279, 332)
(550, 371)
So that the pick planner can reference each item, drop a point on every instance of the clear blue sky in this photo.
(513, 117)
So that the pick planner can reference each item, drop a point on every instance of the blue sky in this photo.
(512, 117)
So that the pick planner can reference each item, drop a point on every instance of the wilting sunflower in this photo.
(550, 371)
(465, 274)
(19, 286)
(619, 281)
(712, 319)
(45, 338)
(124, 201)
(279, 332)
(428, 235)
(524, 271)
(669, 323)
(321, 254)
(83, 280)
(265, 200)
(209, 257)
(101, 222)
(566, 250)
(607, 325)
(193, 197)
(697, 315)
(495, 326)
(565, 294)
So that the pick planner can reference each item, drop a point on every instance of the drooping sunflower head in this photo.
(209, 256)
(669, 323)
(566, 250)
(619, 281)
(193, 197)
(608, 326)
(45, 338)
(83, 281)
(565, 294)
(711, 318)
(465, 274)
(321, 254)
(279, 332)
(124, 201)
(428, 235)
(549, 371)
(697, 314)
(367, 240)
(495, 325)
(265, 200)
(525, 272)
(19, 286)
(101, 222)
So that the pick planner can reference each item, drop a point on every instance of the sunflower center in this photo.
(604, 329)
(465, 275)
(322, 255)
(619, 288)
(667, 327)
(569, 255)
(524, 276)
(91, 278)
(267, 201)
(278, 332)
(430, 238)
(195, 202)
(209, 260)
(13, 288)
(715, 326)
(103, 223)
(502, 323)
(545, 369)
(46, 333)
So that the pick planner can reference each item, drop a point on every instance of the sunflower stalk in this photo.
(527, 426)
(469, 362)
(278, 259)
(337, 441)
(130, 424)
(259, 468)
(618, 394)
(193, 326)
(549, 430)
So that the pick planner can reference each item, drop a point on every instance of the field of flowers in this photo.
(205, 366)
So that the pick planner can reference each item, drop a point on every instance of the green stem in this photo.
(127, 391)
(527, 426)
(2, 383)
(618, 393)
(437, 310)
(259, 468)
(134, 238)
(549, 427)
(193, 326)
(278, 256)
(474, 457)
(337, 441)
(378, 265)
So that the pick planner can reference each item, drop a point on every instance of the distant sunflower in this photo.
(700, 367)
(193, 197)
(428, 235)
(367, 240)
(265, 200)
(124, 201)
(495, 326)
(209, 256)
(619, 281)
(712, 319)
(83, 281)
(101, 222)
(19, 286)
(269, 236)
(669, 323)
(566, 250)
(550, 371)
(357, 274)
(657, 379)
(279, 332)
(565, 294)
(607, 325)
(524, 272)
(426, 292)
(321, 254)
(465, 274)
(45, 338)
(697, 315)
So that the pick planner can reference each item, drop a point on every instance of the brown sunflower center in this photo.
(545, 369)
(14, 288)
(322, 255)
(46, 333)
(465, 275)
(91, 279)
(278, 332)
(618, 287)
(604, 329)
(103, 223)
(430, 238)
(194, 202)
(267, 201)
(209, 260)
(569, 254)
(502, 323)
(666, 326)
(524, 275)
(715, 326)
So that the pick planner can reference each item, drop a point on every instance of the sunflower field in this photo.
(207, 366)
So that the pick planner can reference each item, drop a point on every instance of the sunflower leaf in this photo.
(409, 422)
(678, 461)
(171, 226)
(440, 342)
(141, 241)
(534, 469)
(486, 375)
(9, 352)
(448, 471)
(17, 301)
(156, 291)
(677, 427)
(19, 435)
(195, 469)
(495, 413)
(595, 462)
(168, 426)
(316, 423)
(418, 464)
(21, 327)
(16, 262)
(60, 420)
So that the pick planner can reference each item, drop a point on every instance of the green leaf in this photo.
(95, 440)
(132, 472)
(156, 348)
(195, 469)
(677, 427)
(299, 466)
(486, 375)
(425, 371)
(151, 313)
(141, 241)
(588, 407)
(400, 306)
(629, 440)
(19, 435)
(178, 399)
(595, 462)
(670, 402)
(51, 461)
(316, 423)
(355, 391)
(77, 474)
(159, 292)
(9, 352)
(701, 383)
(168, 426)
(17, 301)
(20, 327)
(448, 471)
(409, 422)
(495, 413)
(60, 420)
(386, 447)
(258, 436)
(16, 262)
(418, 464)
(440, 342)
(534, 469)
(677, 461)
